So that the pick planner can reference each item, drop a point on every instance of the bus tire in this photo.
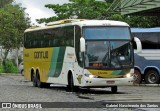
(137, 77)
(39, 83)
(34, 81)
(114, 89)
(152, 77)
(71, 86)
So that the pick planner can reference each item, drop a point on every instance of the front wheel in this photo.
(114, 89)
(71, 86)
(152, 77)
(137, 77)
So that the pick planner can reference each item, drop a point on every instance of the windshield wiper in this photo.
(107, 55)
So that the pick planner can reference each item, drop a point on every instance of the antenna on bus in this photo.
(64, 21)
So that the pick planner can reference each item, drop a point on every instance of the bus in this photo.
(147, 63)
(79, 53)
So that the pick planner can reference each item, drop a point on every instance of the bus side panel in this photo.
(37, 59)
(71, 64)
(148, 58)
(56, 62)
(62, 62)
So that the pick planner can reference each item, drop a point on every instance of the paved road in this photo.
(16, 89)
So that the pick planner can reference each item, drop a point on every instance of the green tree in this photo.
(5, 2)
(86, 9)
(143, 21)
(94, 9)
(13, 22)
(137, 21)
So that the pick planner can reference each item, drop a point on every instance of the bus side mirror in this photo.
(82, 44)
(139, 45)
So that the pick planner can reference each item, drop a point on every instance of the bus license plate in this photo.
(110, 82)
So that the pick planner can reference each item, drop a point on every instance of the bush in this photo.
(1, 69)
(9, 67)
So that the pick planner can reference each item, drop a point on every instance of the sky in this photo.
(36, 8)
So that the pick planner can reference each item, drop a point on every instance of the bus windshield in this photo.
(106, 33)
(108, 54)
(110, 49)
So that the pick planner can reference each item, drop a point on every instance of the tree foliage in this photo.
(13, 22)
(137, 21)
(86, 9)
(94, 9)
(5, 2)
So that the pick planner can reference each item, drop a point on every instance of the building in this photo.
(136, 7)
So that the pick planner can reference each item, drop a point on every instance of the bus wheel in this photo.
(34, 80)
(71, 86)
(152, 77)
(114, 89)
(39, 83)
(137, 77)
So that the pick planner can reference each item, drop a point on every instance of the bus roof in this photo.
(139, 30)
(80, 23)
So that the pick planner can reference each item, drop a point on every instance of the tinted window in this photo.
(149, 40)
(106, 33)
(108, 54)
(50, 38)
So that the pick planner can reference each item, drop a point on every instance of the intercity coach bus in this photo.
(79, 53)
(147, 63)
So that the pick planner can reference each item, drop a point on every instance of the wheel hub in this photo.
(152, 78)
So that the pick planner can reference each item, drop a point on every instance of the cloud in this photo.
(36, 8)
(37, 13)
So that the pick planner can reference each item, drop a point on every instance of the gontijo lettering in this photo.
(41, 55)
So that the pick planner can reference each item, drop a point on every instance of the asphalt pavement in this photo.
(13, 88)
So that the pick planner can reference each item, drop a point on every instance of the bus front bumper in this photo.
(106, 82)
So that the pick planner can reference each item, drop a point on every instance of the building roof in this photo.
(157, 29)
(136, 7)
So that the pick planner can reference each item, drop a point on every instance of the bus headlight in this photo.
(91, 76)
(128, 75)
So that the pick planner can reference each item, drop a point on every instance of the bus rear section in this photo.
(147, 63)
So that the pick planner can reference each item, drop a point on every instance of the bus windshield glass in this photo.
(108, 47)
(106, 33)
(108, 54)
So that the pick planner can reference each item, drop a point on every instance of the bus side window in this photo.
(50, 43)
(149, 40)
(27, 43)
(45, 42)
